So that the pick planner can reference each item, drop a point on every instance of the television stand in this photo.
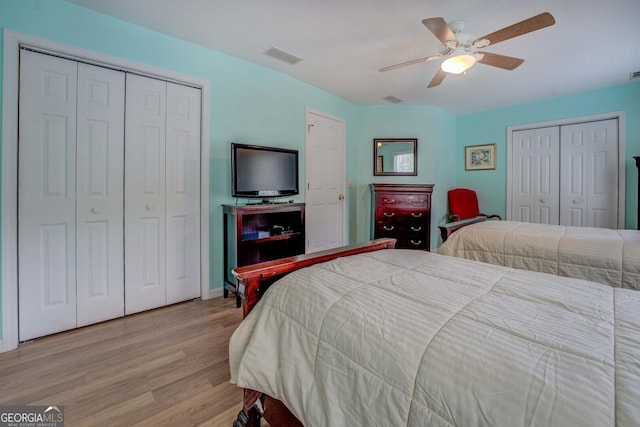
(259, 202)
(260, 232)
(267, 202)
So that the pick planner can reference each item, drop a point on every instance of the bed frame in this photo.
(253, 281)
(447, 229)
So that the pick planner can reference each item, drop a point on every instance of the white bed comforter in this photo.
(401, 337)
(598, 254)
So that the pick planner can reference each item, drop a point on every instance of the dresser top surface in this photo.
(409, 188)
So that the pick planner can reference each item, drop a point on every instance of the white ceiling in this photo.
(343, 43)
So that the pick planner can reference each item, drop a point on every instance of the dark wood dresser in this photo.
(403, 212)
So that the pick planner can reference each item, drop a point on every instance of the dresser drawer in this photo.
(402, 201)
(401, 224)
(412, 242)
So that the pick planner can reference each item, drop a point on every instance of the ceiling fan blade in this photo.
(437, 79)
(523, 27)
(500, 61)
(440, 29)
(404, 64)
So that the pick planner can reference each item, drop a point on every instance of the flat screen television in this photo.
(263, 172)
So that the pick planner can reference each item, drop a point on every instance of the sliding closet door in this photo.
(183, 193)
(46, 195)
(99, 194)
(535, 188)
(589, 183)
(145, 193)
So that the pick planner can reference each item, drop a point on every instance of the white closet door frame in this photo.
(619, 115)
(13, 41)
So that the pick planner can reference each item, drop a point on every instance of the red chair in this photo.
(463, 204)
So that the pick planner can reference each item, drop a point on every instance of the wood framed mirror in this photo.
(395, 156)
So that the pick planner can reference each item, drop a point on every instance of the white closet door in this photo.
(182, 193)
(145, 123)
(589, 186)
(99, 194)
(535, 189)
(46, 195)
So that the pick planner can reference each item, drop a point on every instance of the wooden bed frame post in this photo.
(248, 416)
(253, 281)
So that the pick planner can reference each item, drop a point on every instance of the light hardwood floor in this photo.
(165, 367)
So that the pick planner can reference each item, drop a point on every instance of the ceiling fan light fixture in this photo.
(458, 64)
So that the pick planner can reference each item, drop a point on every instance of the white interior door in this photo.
(99, 194)
(325, 173)
(589, 186)
(183, 193)
(46, 195)
(536, 185)
(144, 219)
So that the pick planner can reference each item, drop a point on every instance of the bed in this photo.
(404, 337)
(598, 254)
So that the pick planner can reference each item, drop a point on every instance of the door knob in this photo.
(149, 207)
(341, 197)
(96, 210)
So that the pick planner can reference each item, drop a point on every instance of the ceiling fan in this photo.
(460, 48)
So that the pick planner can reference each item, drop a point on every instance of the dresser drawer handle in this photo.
(389, 214)
(416, 243)
(416, 214)
(388, 227)
(417, 202)
(414, 228)
(389, 201)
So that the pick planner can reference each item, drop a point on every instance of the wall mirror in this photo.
(395, 156)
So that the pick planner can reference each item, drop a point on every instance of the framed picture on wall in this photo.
(480, 157)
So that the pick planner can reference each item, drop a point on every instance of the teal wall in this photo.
(435, 131)
(248, 103)
(253, 104)
(491, 127)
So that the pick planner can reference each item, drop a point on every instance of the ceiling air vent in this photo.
(634, 76)
(393, 99)
(283, 56)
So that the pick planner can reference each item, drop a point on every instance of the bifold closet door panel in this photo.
(183, 193)
(589, 179)
(46, 195)
(100, 194)
(536, 179)
(144, 219)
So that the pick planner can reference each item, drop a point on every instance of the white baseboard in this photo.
(215, 293)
